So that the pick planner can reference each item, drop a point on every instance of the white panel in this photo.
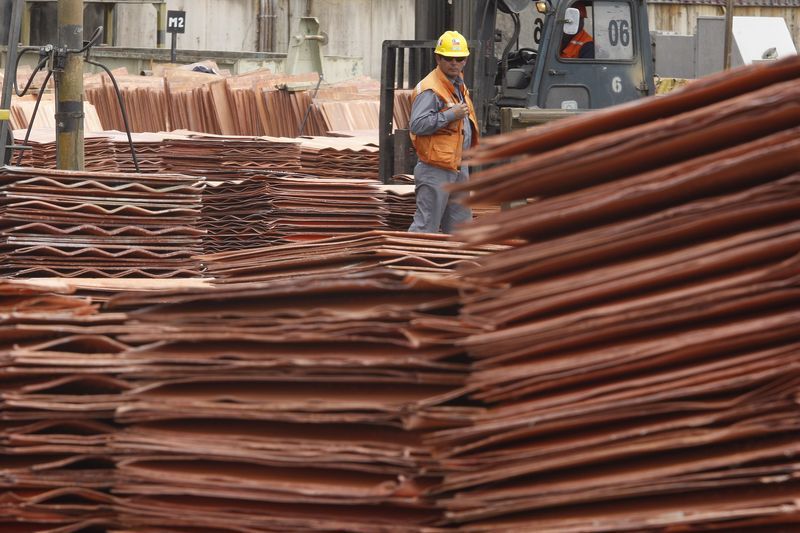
(756, 37)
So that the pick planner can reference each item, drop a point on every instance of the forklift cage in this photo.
(403, 65)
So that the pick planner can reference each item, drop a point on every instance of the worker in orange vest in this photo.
(580, 45)
(442, 124)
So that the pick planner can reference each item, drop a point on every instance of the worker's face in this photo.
(451, 66)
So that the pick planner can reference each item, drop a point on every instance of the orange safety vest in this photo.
(573, 49)
(444, 148)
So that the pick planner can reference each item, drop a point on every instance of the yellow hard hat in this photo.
(452, 44)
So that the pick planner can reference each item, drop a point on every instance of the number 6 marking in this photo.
(616, 84)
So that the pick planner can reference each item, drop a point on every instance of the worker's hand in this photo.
(460, 110)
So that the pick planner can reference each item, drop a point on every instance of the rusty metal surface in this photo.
(639, 368)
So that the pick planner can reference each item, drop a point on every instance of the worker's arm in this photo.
(426, 118)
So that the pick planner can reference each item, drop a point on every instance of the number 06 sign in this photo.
(613, 30)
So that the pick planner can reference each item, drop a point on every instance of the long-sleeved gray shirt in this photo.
(426, 118)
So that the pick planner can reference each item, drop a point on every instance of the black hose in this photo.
(122, 109)
(33, 116)
(39, 66)
(88, 48)
(98, 32)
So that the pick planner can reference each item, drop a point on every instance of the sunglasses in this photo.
(456, 59)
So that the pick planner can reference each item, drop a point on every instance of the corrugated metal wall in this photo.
(356, 28)
(681, 16)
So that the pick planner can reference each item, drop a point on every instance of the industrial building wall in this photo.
(224, 25)
(355, 28)
(680, 16)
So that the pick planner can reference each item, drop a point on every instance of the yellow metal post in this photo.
(161, 25)
(69, 84)
(25, 36)
(108, 24)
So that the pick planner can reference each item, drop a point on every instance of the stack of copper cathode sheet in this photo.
(278, 406)
(147, 147)
(94, 224)
(57, 402)
(287, 405)
(236, 215)
(40, 150)
(641, 370)
(145, 99)
(309, 208)
(221, 157)
(268, 208)
(397, 251)
(401, 203)
(344, 157)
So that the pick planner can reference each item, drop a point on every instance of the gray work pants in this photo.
(437, 209)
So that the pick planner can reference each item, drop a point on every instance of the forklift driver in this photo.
(580, 45)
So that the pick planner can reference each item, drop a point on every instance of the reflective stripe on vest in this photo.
(573, 49)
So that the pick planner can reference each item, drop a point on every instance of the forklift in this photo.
(520, 86)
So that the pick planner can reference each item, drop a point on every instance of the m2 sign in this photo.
(176, 21)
